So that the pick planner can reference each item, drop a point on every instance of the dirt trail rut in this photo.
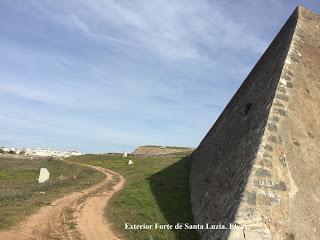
(79, 215)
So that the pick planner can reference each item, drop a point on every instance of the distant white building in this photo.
(41, 152)
(5, 149)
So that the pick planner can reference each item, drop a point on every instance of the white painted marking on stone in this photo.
(130, 162)
(44, 175)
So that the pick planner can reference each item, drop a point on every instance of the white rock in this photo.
(124, 154)
(44, 175)
(130, 162)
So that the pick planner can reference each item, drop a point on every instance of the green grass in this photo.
(21, 195)
(156, 191)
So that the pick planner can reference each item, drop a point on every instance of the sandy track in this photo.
(79, 215)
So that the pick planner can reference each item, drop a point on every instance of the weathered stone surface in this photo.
(280, 111)
(262, 173)
(266, 162)
(262, 161)
(289, 85)
(272, 127)
(44, 175)
(273, 139)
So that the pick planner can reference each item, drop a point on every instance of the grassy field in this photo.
(21, 195)
(156, 192)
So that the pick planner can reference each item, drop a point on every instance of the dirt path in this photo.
(79, 215)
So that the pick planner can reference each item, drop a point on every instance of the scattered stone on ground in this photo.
(44, 175)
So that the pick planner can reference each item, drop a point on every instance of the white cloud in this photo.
(173, 31)
(121, 72)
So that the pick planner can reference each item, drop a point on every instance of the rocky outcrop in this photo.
(258, 165)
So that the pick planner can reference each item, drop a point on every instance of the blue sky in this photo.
(101, 76)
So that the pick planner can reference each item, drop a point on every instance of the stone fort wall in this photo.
(225, 159)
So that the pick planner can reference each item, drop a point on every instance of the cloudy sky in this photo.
(102, 75)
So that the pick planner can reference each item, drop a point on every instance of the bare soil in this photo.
(79, 215)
